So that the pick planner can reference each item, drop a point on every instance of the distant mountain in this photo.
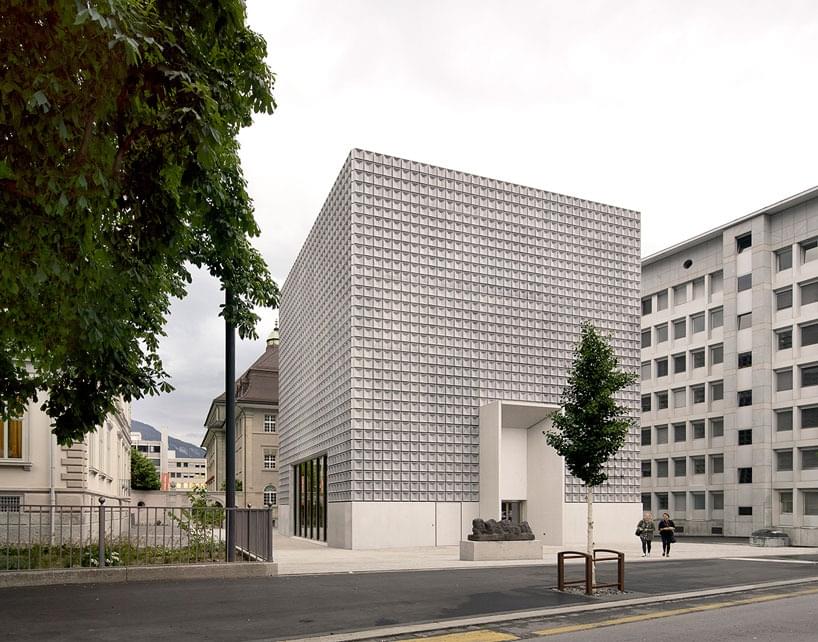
(183, 449)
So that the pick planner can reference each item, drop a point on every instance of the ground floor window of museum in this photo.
(311, 498)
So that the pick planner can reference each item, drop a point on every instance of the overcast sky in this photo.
(693, 113)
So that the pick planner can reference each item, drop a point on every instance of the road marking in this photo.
(470, 636)
(656, 615)
(767, 559)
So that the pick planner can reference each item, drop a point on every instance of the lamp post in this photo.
(230, 426)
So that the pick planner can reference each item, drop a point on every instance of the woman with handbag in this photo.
(666, 530)
(644, 531)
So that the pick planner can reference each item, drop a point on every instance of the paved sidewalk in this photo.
(298, 556)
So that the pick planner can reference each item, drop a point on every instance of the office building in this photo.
(427, 329)
(730, 375)
(181, 465)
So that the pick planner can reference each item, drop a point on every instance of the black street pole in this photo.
(230, 427)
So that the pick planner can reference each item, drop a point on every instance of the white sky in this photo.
(693, 113)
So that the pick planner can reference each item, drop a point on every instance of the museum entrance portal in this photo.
(311, 499)
(512, 511)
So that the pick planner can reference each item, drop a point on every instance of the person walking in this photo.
(666, 530)
(644, 530)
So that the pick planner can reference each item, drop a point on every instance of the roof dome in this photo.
(272, 338)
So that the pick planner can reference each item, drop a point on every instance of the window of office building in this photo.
(679, 328)
(646, 502)
(744, 242)
(679, 432)
(661, 300)
(679, 398)
(809, 417)
(661, 400)
(679, 363)
(661, 367)
(646, 371)
(646, 470)
(809, 250)
(744, 321)
(809, 292)
(745, 437)
(697, 322)
(680, 294)
(716, 354)
(744, 282)
(698, 428)
(698, 465)
(646, 433)
(680, 467)
(661, 333)
(717, 391)
(661, 467)
(785, 502)
(745, 359)
(783, 460)
(646, 338)
(716, 282)
(745, 397)
(645, 403)
(717, 427)
(697, 358)
(698, 288)
(783, 420)
(698, 500)
(783, 299)
(647, 303)
(783, 380)
(661, 501)
(745, 511)
(810, 502)
(783, 339)
(783, 259)
(745, 475)
(661, 434)
(269, 423)
(809, 334)
(698, 393)
(809, 458)
(679, 502)
(716, 500)
(716, 318)
(809, 375)
(716, 464)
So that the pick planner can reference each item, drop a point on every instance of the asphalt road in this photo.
(791, 619)
(301, 606)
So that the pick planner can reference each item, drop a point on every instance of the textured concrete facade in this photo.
(423, 293)
(725, 446)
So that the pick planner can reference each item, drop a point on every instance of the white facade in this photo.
(730, 376)
(176, 471)
(420, 295)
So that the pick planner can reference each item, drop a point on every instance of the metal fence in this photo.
(46, 537)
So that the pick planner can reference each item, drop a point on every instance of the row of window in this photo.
(696, 289)
(680, 466)
(808, 458)
(809, 502)
(680, 327)
(696, 359)
(661, 399)
(680, 431)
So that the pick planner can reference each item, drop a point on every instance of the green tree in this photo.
(143, 473)
(238, 486)
(119, 170)
(591, 426)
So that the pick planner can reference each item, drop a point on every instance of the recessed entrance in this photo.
(512, 511)
(310, 499)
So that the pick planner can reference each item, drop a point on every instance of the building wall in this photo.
(750, 438)
(422, 293)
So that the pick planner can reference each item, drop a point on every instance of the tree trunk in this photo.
(589, 498)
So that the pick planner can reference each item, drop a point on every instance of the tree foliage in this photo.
(119, 169)
(143, 473)
(591, 426)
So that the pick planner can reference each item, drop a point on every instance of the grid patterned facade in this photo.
(422, 293)
(730, 376)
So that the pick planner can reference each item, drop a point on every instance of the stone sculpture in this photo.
(502, 531)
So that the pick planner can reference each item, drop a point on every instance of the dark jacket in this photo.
(666, 527)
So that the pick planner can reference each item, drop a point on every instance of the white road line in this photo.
(768, 559)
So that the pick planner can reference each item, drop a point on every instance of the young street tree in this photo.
(590, 426)
(119, 169)
(143, 472)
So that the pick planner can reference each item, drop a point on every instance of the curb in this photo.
(119, 574)
(537, 613)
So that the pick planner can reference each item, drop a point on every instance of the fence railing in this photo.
(46, 537)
